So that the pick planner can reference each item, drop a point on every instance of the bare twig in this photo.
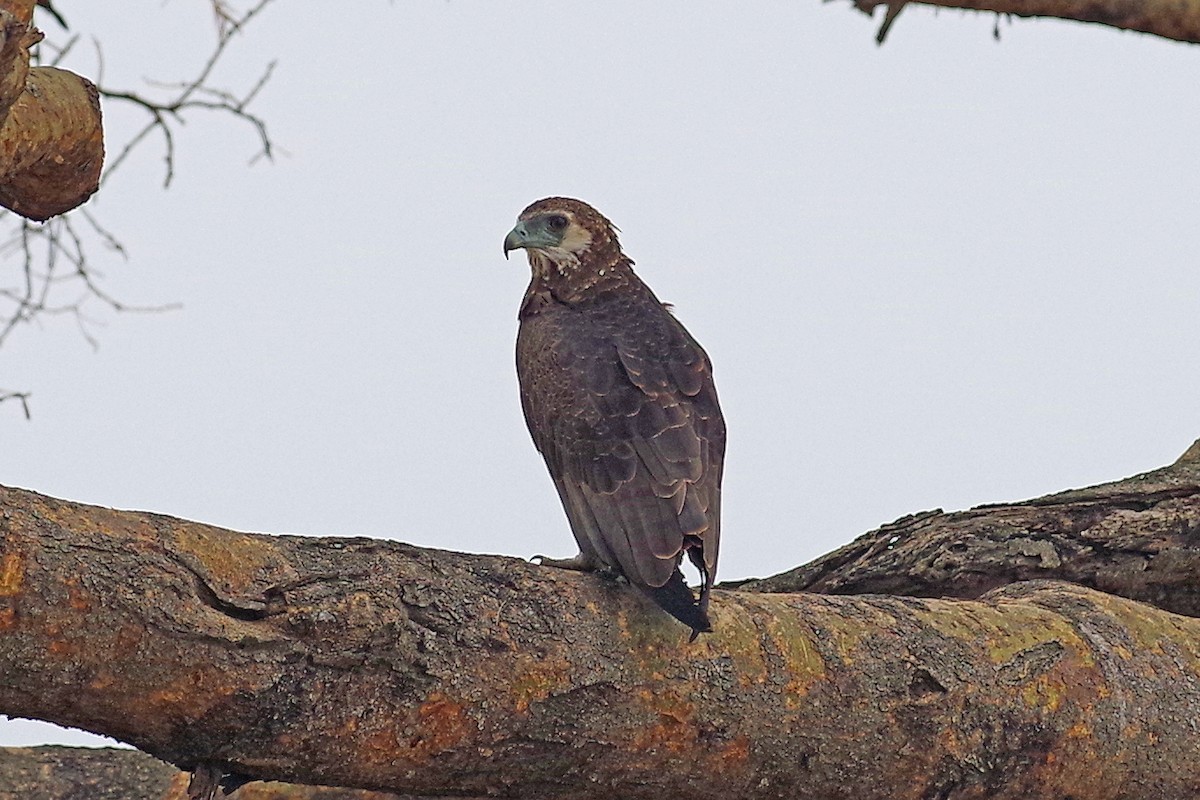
(188, 95)
(45, 269)
(20, 397)
(54, 52)
(52, 11)
(54, 254)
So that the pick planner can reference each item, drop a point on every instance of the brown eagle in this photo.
(619, 399)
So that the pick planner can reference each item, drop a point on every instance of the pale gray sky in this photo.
(939, 273)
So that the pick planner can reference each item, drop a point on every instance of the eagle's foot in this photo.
(580, 562)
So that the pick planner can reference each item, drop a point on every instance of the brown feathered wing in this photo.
(620, 401)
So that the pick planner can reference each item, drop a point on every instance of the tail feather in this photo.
(677, 599)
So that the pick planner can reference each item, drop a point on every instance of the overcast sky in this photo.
(939, 273)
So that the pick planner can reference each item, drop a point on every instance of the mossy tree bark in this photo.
(84, 773)
(379, 665)
(1138, 537)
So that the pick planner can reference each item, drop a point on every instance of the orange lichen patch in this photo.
(442, 724)
(380, 747)
(270, 790)
(1069, 769)
(59, 648)
(59, 645)
(958, 744)
(735, 753)
(95, 519)
(673, 727)
(1080, 730)
(77, 598)
(674, 733)
(128, 637)
(622, 622)
(191, 695)
(536, 679)
(12, 574)
(8, 618)
(1045, 693)
(232, 562)
(103, 680)
(178, 788)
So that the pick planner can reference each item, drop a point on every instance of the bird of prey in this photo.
(620, 401)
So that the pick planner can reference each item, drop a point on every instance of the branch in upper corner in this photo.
(1169, 19)
(52, 269)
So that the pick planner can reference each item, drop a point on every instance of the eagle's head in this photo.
(567, 237)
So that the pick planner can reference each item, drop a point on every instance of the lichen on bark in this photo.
(380, 665)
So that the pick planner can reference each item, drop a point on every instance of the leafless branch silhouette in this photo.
(50, 269)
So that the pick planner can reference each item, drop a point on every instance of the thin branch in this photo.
(106, 237)
(58, 52)
(165, 112)
(52, 260)
(20, 397)
(55, 254)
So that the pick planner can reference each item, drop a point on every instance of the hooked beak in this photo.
(516, 239)
(530, 234)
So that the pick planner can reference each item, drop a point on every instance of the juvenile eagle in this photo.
(619, 399)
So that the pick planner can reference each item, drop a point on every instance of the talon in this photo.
(580, 563)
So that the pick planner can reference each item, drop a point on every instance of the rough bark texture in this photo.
(21, 9)
(1138, 538)
(375, 664)
(82, 773)
(51, 137)
(68, 773)
(1171, 19)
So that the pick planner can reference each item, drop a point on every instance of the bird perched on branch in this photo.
(619, 399)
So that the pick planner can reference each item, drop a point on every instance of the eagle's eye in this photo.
(557, 222)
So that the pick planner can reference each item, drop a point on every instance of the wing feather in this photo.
(621, 403)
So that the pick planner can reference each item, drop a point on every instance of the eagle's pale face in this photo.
(572, 247)
(575, 238)
(551, 235)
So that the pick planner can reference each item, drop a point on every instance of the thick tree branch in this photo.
(62, 773)
(1171, 19)
(380, 665)
(1135, 537)
(51, 139)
